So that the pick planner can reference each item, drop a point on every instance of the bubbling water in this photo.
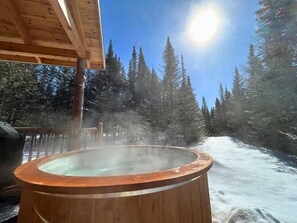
(116, 161)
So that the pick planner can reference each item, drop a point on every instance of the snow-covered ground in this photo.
(249, 184)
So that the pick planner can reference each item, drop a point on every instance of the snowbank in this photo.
(250, 184)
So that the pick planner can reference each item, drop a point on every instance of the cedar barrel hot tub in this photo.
(122, 184)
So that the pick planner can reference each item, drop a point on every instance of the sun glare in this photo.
(204, 26)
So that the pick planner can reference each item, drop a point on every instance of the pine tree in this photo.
(222, 98)
(212, 122)
(155, 105)
(112, 64)
(194, 118)
(277, 22)
(143, 76)
(132, 74)
(94, 86)
(206, 115)
(111, 98)
(171, 81)
(182, 122)
(142, 83)
(227, 96)
(19, 93)
(277, 25)
(48, 76)
(220, 119)
(254, 92)
(62, 99)
(217, 118)
(236, 109)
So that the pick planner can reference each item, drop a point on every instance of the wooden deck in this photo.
(9, 204)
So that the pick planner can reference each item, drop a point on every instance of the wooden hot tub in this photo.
(124, 184)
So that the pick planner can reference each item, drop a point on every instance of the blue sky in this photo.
(147, 23)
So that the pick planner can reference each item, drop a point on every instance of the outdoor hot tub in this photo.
(117, 184)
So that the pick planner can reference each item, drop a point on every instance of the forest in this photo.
(261, 106)
(137, 105)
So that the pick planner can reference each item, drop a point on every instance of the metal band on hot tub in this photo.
(121, 194)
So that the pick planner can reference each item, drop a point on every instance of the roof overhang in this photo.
(54, 32)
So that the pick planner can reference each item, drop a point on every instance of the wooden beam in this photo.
(17, 21)
(101, 35)
(26, 59)
(59, 62)
(36, 51)
(73, 8)
(70, 27)
(17, 58)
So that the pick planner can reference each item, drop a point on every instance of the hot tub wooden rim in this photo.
(29, 176)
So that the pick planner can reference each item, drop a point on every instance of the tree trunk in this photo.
(77, 106)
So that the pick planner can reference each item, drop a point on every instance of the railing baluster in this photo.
(43, 144)
(67, 140)
(62, 143)
(31, 146)
(51, 143)
(99, 133)
(54, 142)
(47, 141)
(39, 145)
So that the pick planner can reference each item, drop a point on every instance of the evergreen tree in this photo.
(212, 121)
(206, 115)
(94, 86)
(143, 81)
(277, 32)
(132, 74)
(277, 25)
(222, 98)
(171, 81)
(111, 98)
(20, 100)
(254, 92)
(113, 65)
(155, 105)
(62, 99)
(194, 118)
(188, 124)
(182, 122)
(217, 118)
(143, 76)
(236, 109)
(220, 119)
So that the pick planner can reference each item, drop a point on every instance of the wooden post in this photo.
(100, 133)
(77, 106)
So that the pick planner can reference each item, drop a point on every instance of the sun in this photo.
(204, 26)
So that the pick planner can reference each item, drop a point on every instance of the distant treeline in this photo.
(135, 106)
(262, 104)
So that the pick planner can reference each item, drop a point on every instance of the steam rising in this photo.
(119, 161)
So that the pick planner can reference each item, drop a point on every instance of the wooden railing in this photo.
(47, 141)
